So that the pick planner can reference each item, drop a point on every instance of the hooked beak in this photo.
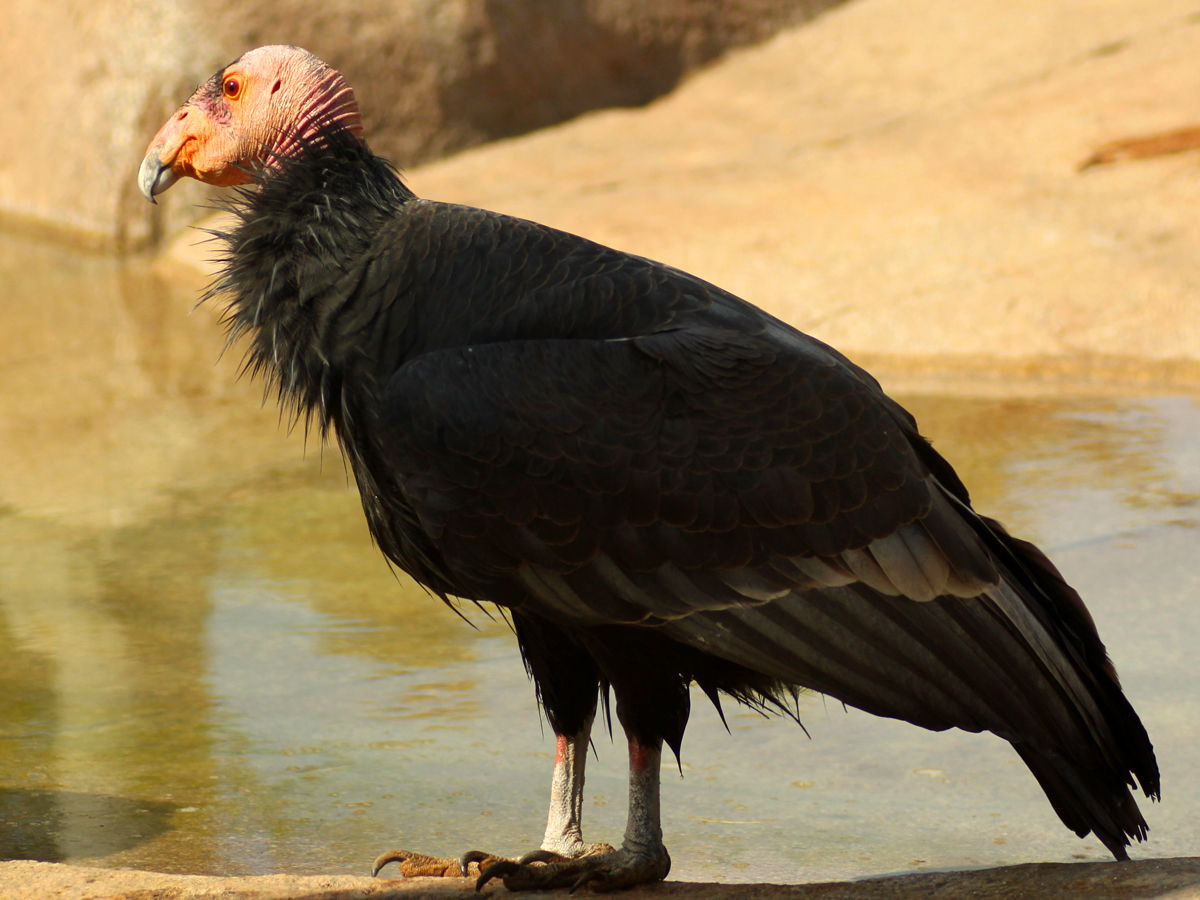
(155, 176)
(169, 156)
(189, 145)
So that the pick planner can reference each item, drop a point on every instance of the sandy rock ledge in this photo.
(1163, 879)
(915, 201)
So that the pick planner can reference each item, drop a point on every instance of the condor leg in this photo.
(642, 857)
(567, 685)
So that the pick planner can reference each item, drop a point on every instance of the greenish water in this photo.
(206, 667)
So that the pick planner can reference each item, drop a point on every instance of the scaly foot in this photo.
(473, 863)
(603, 870)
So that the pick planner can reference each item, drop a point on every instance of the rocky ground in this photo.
(1164, 879)
(916, 197)
(910, 195)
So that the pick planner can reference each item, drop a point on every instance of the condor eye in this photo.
(232, 87)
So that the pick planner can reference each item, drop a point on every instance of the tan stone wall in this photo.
(87, 84)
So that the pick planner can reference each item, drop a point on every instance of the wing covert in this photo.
(650, 478)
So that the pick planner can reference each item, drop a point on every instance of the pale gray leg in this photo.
(643, 828)
(564, 824)
(641, 859)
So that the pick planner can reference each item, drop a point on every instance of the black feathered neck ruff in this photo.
(291, 262)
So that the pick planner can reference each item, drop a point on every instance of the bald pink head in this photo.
(257, 109)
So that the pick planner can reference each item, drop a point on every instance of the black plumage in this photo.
(662, 483)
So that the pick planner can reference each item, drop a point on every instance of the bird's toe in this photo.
(605, 870)
(420, 865)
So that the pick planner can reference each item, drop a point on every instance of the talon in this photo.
(583, 881)
(419, 865)
(473, 856)
(392, 856)
(499, 868)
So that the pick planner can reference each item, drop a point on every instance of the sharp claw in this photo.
(499, 868)
(472, 856)
(505, 867)
(582, 881)
(397, 856)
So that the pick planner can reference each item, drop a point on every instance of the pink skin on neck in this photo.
(284, 96)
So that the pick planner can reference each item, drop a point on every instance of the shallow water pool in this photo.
(206, 666)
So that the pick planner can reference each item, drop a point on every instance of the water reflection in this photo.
(206, 667)
(1018, 454)
(56, 826)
